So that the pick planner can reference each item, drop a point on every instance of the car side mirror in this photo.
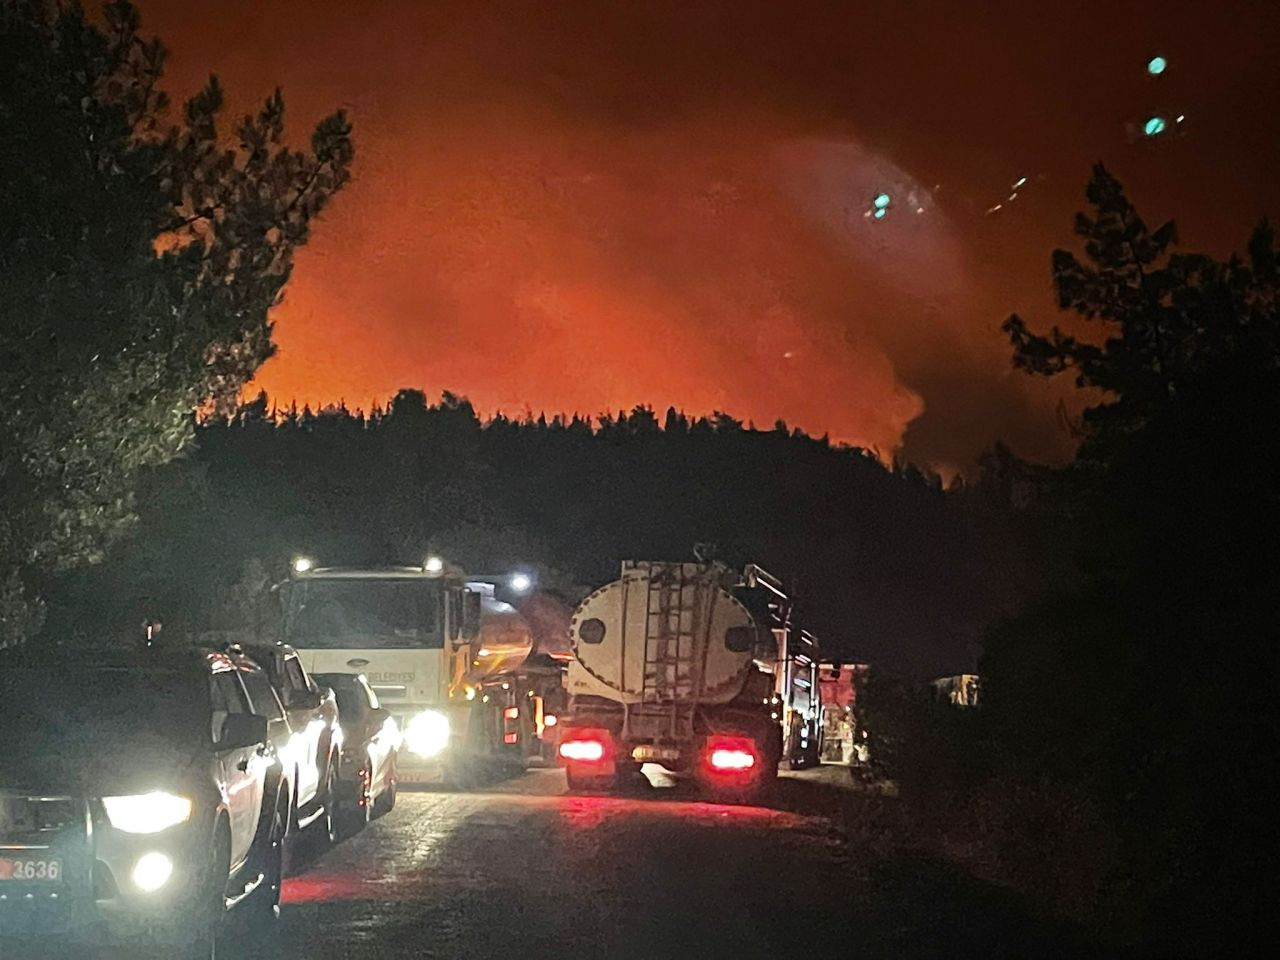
(242, 730)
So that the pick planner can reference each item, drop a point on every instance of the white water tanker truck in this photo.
(671, 667)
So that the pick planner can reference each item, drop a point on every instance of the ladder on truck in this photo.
(674, 647)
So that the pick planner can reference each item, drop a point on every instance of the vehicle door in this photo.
(302, 707)
(304, 700)
(242, 769)
(265, 703)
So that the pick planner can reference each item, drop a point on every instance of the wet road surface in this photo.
(530, 872)
(525, 871)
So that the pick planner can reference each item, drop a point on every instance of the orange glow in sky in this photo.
(580, 207)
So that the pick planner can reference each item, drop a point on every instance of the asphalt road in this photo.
(530, 872)
(527, 872)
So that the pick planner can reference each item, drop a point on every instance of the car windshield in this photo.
(91, 705)
(341, 614)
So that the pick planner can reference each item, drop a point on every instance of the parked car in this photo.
(138, 790)
(370, 748)
(304, 724)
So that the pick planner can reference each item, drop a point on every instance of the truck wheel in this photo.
(580, 783)
(797, 758)
(770, 759)
(768, 778)
(460, 776)
(627, 777)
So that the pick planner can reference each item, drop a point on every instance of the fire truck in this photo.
(796, 690)
(451, 658)
(693, 667)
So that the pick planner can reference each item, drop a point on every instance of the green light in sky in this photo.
(881, 201)
(879, 214)
(1154, 126)
(1156, 66)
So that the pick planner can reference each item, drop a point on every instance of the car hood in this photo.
(95, 765)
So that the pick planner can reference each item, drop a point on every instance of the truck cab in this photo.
(426, 639)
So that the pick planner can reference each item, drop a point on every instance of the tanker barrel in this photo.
(662, 632)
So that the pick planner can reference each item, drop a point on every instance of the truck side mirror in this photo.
(471, 608)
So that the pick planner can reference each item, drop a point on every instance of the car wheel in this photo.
(264, 906)
(386, 801)
(328, 825)
(355, 815)
(199, 938)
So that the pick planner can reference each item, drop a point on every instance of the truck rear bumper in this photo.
(649, 753)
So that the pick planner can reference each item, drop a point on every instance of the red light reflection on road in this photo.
(590, 812)
(329, 887)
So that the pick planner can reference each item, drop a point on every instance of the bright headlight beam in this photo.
(427, 734)
(147, 812)
(152, 871)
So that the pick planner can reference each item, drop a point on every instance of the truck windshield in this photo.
(355, 614)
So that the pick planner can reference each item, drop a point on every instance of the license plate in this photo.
(30, 870)
(646, 752)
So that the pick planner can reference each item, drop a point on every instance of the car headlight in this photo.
(427, 734)
(147, 812)
(152, 871)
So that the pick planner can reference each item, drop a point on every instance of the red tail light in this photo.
(732, 760)
(585, 745)
(583, 751)
(510, 737)
(731, 754)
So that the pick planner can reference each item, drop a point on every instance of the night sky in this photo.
(581, 206)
